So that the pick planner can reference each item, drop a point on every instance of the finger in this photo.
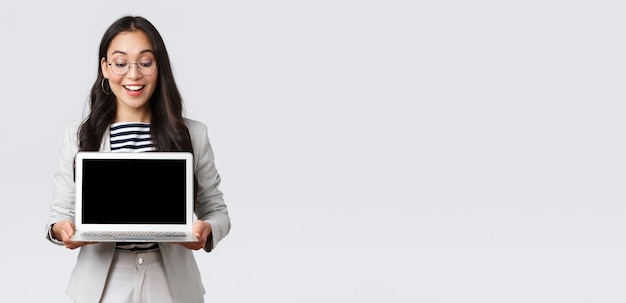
(199, 244)
(74, 245)
(65, 236)
(191, 245)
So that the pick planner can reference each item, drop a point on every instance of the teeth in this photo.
(133, 87)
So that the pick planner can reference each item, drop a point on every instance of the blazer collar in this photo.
(105, 145)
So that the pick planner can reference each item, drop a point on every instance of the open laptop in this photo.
(134, 197)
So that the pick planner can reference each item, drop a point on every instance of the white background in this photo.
(371, 151)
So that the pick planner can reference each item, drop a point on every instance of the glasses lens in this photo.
(146, 67)
(121, 67)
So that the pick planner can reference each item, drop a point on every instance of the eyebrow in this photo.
(141, 52)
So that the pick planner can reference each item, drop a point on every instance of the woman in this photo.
(135, 90)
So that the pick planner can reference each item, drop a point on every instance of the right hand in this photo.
(64, 230)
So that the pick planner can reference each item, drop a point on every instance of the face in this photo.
(130, 56)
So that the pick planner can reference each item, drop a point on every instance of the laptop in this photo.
(134, 197)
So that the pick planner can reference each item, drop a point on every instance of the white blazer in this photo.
(92, 266)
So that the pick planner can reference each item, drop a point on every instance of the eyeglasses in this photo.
(145, 67)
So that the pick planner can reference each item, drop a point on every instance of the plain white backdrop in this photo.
(370, 151)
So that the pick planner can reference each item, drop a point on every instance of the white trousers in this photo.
(137, 278)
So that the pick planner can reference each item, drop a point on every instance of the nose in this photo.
(133, 73)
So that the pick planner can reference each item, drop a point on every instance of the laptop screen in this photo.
(133, 191)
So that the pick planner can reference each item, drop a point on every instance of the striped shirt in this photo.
(132, 137)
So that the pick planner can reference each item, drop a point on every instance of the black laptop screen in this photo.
(133, 191)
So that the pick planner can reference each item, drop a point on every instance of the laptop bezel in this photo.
(85, 155)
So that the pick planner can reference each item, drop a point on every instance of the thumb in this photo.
(66, 234)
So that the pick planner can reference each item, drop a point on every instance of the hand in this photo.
(202, 230)
(64, 230)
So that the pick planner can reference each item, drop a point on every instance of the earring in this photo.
(104, 90)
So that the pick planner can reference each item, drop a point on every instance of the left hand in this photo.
(202, 230)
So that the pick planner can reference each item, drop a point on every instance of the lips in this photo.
(134, 90)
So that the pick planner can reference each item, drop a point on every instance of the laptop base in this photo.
(91, 237)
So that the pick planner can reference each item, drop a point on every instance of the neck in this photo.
(132, 116)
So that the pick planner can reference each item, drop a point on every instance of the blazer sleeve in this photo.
(209, 204)
(63, 198)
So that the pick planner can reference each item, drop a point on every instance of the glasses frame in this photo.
(136, 64)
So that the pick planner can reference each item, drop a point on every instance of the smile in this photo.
(134, 87)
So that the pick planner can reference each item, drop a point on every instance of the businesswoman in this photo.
(135, 90)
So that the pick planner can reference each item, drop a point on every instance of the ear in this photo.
(105, 70)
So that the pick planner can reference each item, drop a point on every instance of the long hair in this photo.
(167, 125)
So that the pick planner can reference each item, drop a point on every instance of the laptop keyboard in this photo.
(133, 234)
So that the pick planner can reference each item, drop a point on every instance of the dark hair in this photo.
(167, 125)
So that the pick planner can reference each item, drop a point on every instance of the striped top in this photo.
(132, 137)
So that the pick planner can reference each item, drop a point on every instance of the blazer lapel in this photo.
(105, 145)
